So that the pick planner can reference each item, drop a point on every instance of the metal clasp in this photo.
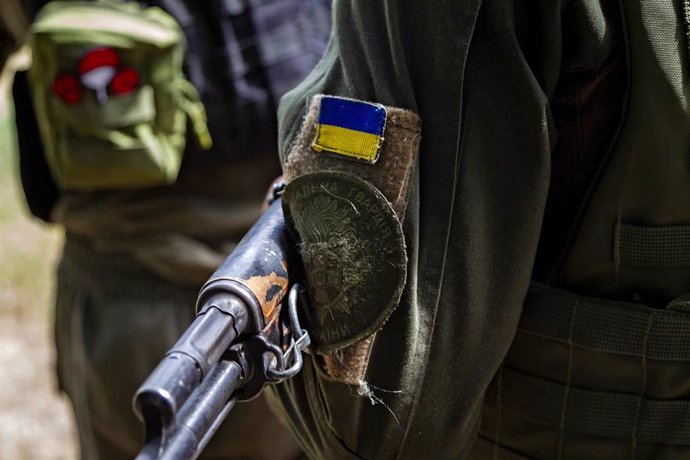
(299, 341)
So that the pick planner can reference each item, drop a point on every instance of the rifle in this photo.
(241, 340)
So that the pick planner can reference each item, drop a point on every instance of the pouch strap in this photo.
(663, 246)
(194, 108)
(147, 137)
(611, 327)
(595, 413)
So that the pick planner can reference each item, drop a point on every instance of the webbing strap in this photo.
(653, 246)
(607, 326)
(594, 413)
(196, 112)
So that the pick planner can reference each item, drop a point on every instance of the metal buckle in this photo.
(299, 341)
(277, 190)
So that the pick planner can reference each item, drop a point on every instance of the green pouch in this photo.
(111, 99)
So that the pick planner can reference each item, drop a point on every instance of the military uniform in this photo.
(134, 259)
(545, 224)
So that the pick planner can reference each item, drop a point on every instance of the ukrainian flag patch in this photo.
(350, 128)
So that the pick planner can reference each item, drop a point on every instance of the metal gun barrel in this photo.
(195, 385)
(199, 417)
(184, 366)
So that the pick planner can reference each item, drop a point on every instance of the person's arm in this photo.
(480, 75)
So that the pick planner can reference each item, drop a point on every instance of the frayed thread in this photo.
(366, 390)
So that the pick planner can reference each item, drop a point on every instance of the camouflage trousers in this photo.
(114, 322)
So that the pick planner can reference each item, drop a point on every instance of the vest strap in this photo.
(665, 246)
(611, 327)
(595, 413)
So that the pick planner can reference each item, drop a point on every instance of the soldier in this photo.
(521, 168)
(135, 257)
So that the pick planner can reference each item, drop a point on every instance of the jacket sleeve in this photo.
(480, 74)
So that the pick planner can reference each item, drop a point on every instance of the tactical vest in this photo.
(600, 365)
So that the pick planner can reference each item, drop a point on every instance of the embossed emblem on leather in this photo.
(353, 252)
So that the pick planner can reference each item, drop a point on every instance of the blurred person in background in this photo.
(134, 258)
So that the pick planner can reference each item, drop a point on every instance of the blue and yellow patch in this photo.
(350, 128)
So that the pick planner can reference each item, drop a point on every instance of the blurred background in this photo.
(35, 420)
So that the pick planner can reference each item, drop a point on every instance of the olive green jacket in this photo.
(495, 83)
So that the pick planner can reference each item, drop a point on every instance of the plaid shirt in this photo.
(243, 55)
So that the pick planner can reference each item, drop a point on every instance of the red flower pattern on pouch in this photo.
(68, 89)
(124, 82)
(99, 70)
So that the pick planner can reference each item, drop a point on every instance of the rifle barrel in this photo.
(199, 417)
(210, 335)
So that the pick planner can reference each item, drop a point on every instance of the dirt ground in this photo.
(35, 420)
